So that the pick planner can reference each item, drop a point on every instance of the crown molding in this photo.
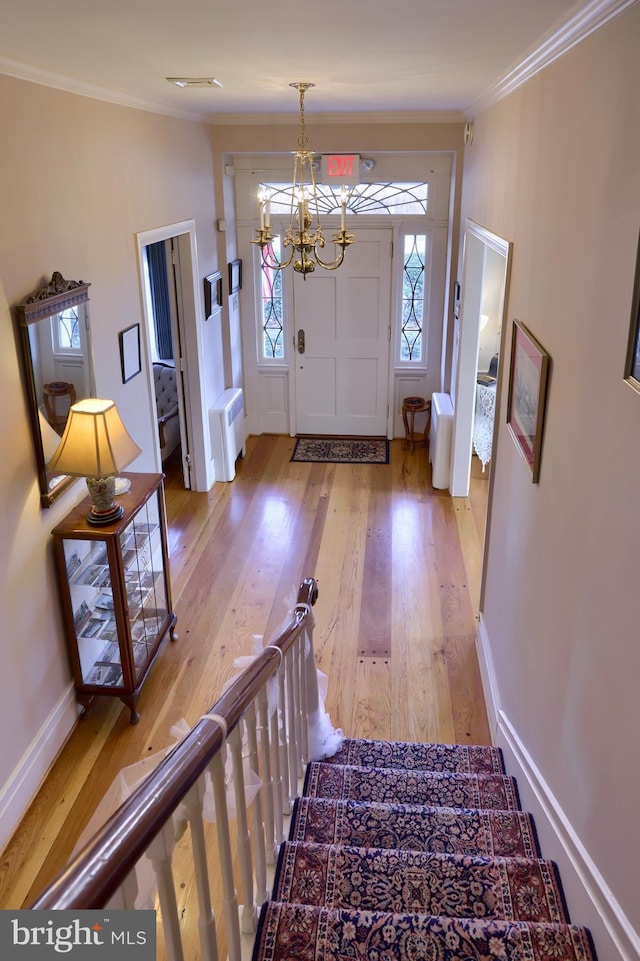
(316, 119)
(49, 78)
(585, 21)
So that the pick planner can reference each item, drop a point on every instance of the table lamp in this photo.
(96, 445)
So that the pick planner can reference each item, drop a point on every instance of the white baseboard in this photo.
(23, 783)
(589, 899)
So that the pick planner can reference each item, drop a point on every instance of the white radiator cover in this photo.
(228, 439)
(440, 439)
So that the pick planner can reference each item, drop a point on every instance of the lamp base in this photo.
(104, 509)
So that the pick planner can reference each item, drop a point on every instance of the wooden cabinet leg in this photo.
(131, 704)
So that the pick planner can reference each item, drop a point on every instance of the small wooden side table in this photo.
(410, 407)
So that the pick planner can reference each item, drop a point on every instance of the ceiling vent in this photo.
(194, 81)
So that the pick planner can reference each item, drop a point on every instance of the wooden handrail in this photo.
(96, 873)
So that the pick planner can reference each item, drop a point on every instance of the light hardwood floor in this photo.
(398, 568)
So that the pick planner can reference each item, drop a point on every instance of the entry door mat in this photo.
(341, 450)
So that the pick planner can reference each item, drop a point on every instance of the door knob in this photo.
(301, 341)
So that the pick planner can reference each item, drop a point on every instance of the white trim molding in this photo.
(23, 783)
(587, 892)
(585, 21)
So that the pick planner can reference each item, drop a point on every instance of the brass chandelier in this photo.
(304, 231)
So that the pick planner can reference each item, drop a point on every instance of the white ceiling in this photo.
(412, 57)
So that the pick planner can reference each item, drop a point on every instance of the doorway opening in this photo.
(167, 264)
(479, 335)
(476, 365)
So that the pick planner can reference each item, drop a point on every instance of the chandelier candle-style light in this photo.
(304, 232)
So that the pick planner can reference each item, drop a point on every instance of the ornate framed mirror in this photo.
(55, 340)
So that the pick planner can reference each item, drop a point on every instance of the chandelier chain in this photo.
(303, 140)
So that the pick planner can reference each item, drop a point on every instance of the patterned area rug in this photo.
(415, 852)
(341, 450)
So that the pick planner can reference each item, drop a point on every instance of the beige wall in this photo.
(78, 179)
(555, 168)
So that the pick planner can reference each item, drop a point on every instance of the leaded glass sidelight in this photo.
(412, 298)
(271, 303)
(66, 331)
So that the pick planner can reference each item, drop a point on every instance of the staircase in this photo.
(396, 852)
(414, 851)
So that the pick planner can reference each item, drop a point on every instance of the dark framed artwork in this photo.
(527, 395)
(212, 294)
(235, 276)
(632, 366)
(130, 361)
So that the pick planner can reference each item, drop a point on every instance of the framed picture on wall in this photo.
(212, 294)
(130, 352)
(235, 276)
(527, 395)
(632, 366)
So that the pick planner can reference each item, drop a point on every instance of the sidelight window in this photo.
(65, 329)
(413, 295)
(271, 304)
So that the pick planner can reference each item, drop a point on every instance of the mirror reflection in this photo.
(56, 343)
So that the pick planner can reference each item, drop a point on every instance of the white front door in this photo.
(342, 321)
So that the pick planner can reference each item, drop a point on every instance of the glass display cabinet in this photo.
(115, 592)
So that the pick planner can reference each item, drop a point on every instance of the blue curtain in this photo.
(157, 262)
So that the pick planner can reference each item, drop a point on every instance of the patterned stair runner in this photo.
(514, 889)
(410, 827)
(414, 851)
(391, 785)
(307, 933)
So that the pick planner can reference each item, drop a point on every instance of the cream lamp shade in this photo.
(96, 445)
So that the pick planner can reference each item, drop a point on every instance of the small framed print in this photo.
(212, 294)
(130, 362)
(527, 395)
(235, 276)
(632, 366)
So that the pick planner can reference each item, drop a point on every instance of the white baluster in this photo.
(229, 896)
(206, 919)
(259, 848)
(313, 719)
(276, 755)
(304, 708)
(297, 677)
(282, 741)
(160, 852)
(267, 777)
(248, 914)
(291, 728)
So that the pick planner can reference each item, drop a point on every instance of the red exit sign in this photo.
(341, 168)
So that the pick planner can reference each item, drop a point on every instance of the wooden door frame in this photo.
(197, 427)
(477, 240)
